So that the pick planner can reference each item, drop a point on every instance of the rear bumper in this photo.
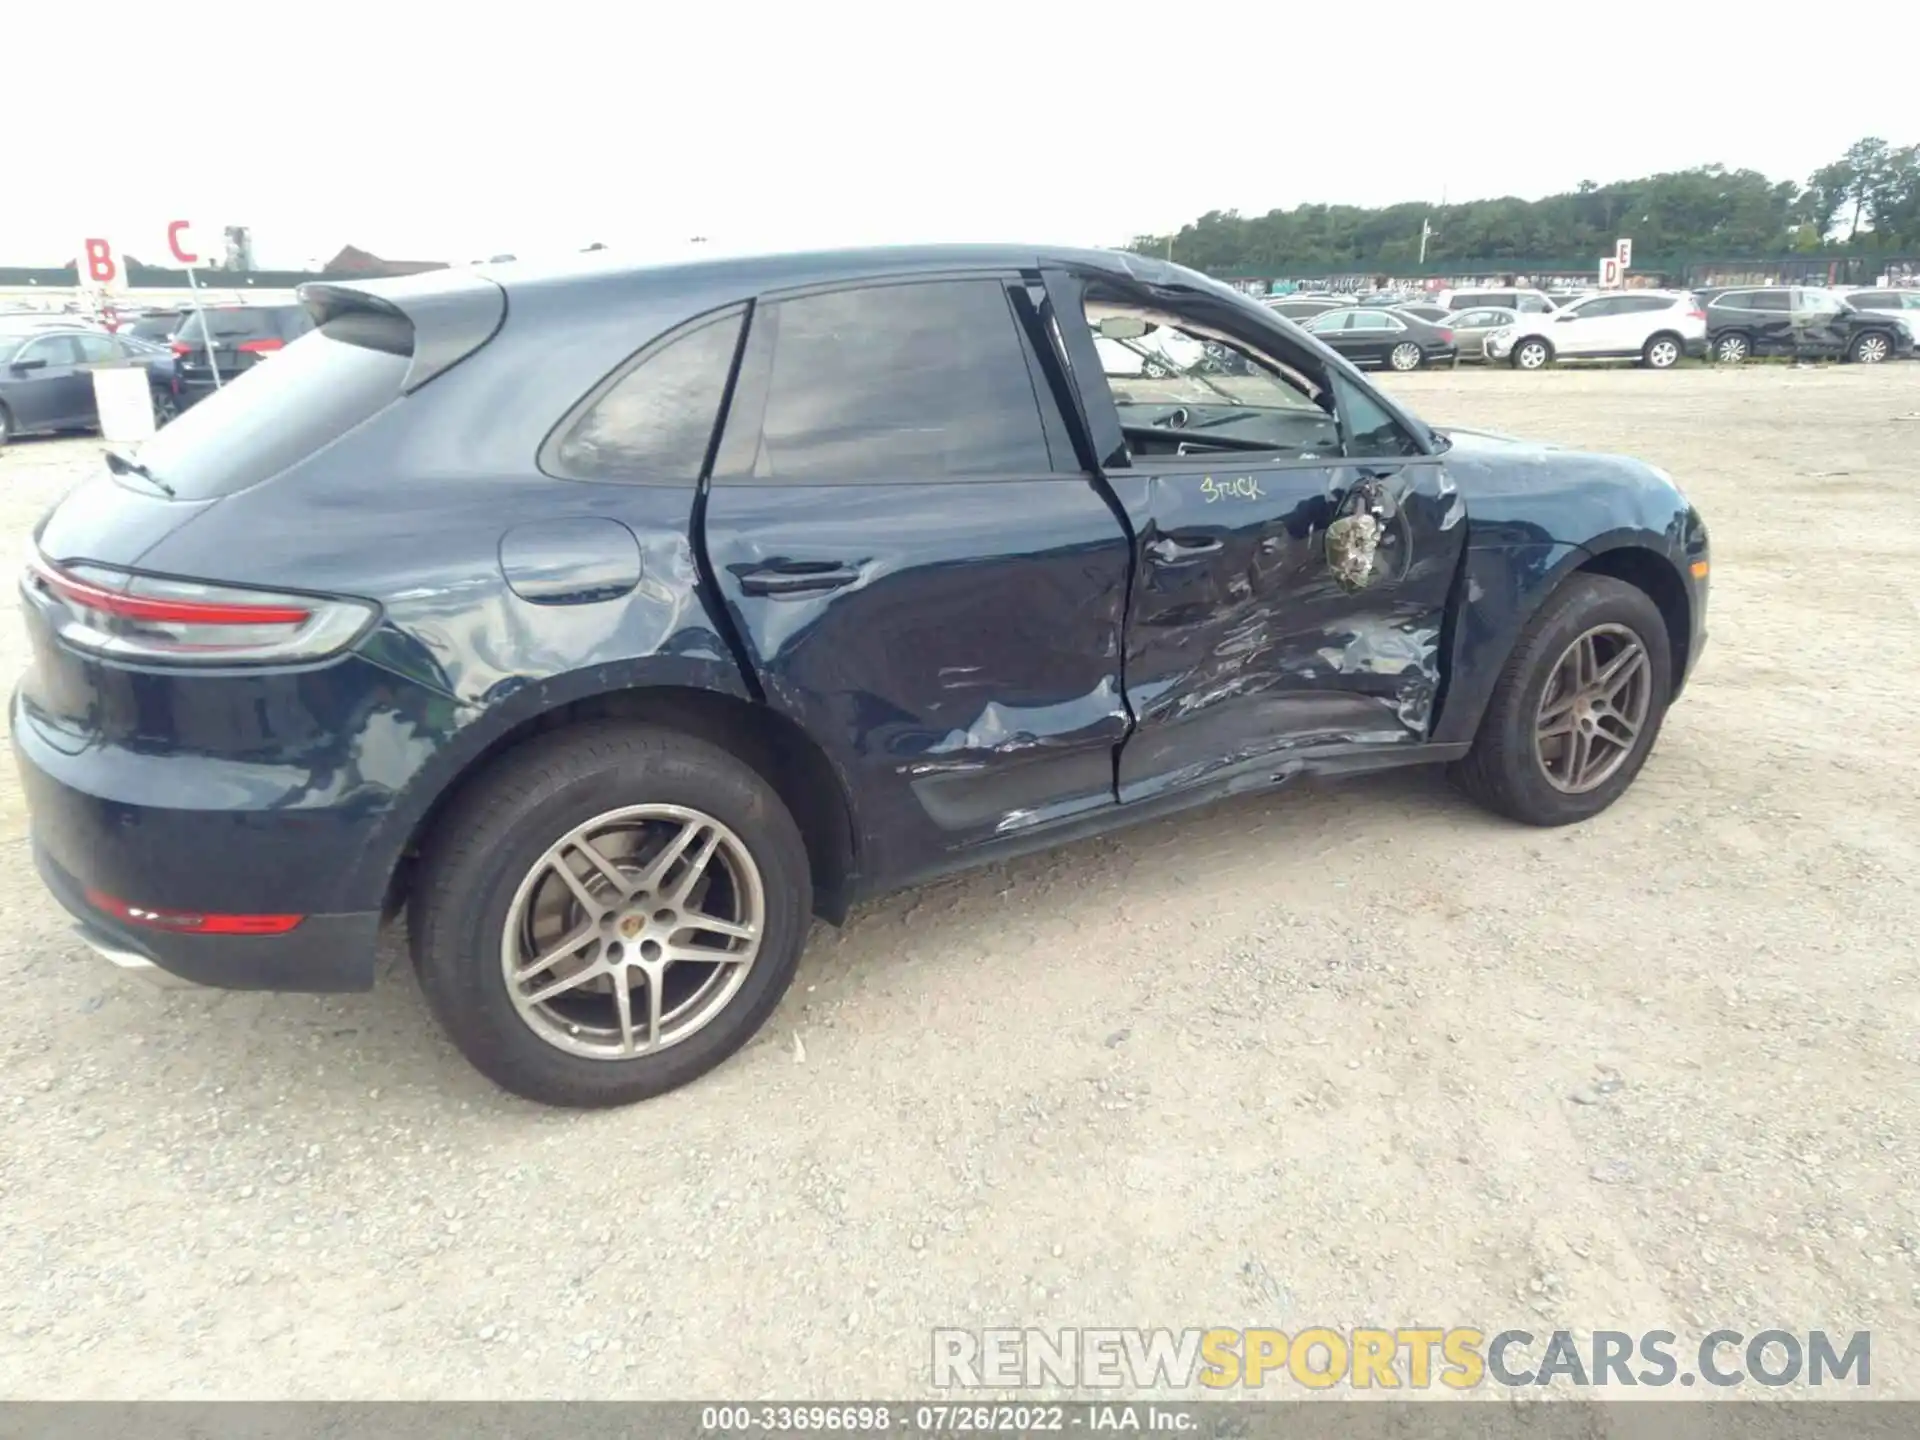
(322, 953)
(114, 823)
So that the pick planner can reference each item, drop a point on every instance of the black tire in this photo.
(1871, 347)
(1503, 771)
(1662, 351)
(1521, 359)
(1732, 349)
(498, 831)
(165, 407)
(6, 425)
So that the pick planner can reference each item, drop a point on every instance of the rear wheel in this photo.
(165, 408)
(1405, 356)
(1870, 349)
(1531, 355)
(1731, 349)
(1577, 708)
(610, 914)
(1662, 352)
(6, 424)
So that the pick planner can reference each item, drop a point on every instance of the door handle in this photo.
(1178, 549)
(797, 578)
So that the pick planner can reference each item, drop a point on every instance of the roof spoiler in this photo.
(449, 314)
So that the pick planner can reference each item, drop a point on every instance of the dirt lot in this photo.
(1339, 1057)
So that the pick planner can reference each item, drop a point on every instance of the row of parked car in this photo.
(47, 362)
(1530, 328)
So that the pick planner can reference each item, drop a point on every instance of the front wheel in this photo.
(1531, 355)
(1731, 349)
(1404, 356)
(1662, 352)
(1870, 349)
(610, 914)
(1577, 708)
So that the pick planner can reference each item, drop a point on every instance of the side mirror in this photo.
(1122, 327)
(38, 363)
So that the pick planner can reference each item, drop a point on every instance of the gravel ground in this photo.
(1357, 1055)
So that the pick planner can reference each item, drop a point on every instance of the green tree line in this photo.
(1866, 200)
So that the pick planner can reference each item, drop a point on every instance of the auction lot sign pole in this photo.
(175, 230)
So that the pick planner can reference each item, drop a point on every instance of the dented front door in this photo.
(1280, 610)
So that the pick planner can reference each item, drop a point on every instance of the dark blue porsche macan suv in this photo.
(615, 622)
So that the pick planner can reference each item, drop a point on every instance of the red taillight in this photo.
(181, 347)
(178, 612)
(1696, 314)
(259, 347)
(193, 922)
(184, 622)
(1446, 337)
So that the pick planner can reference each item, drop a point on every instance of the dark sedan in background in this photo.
(46, 377)
(1391, 339)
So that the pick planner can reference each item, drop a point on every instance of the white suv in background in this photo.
(1655, 327)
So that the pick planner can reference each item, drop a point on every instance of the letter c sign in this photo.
(175, 230)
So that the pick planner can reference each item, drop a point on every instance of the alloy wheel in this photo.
(633, 931)
(1593, 710)
(1531, 356)
(1663, 354)
(1732, 350)
(1405, 356)
(1871, 349)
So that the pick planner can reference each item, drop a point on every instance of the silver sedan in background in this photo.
(1472, 327)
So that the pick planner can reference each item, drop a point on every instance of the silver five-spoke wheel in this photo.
(1593, 709)
(633, 931)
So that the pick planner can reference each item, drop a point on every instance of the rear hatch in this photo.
(364, 352)
(242, 336)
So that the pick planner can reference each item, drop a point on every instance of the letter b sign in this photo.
(100, 267)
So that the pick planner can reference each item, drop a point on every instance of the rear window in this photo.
(277, 414)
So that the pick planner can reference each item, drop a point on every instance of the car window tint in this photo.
(54, 349)
(1533, 305)
(1371, 432)
(1872, 300)
(903, 382)
(1371, 320)
(1332, 320)
(95, 348)
(1765, 300)
(656, 421)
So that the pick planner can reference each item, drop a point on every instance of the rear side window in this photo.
(276, 415)
(653, 425)
(899, 382)
(1874, 300)
(1764, 300)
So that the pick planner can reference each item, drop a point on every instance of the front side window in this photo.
(55, 350)
(1368, 431)
(653, 425)
(899, 382)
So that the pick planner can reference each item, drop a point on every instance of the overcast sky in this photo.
(532, 128)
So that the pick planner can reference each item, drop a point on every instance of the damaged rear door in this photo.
(919, 571)
(1295, 544)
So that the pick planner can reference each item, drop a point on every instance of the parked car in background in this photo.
(1655, 327)
(1426, 310)
(1305, 307)
(1903, 303)
(243, 336)
(1471, 328)
(1388, 338)
(46, 377)
(616, 624)
(1527, 301)
(152, 324)
(1805, 321)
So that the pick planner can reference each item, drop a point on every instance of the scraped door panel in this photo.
(916, 577)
